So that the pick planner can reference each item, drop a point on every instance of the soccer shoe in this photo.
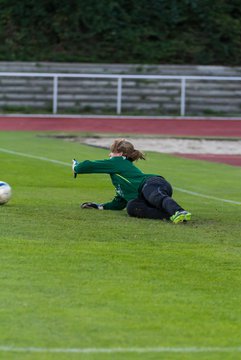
(181, 216)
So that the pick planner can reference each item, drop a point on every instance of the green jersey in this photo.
(125, 176)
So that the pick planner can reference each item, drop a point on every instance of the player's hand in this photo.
(91, 205)
(74, 163)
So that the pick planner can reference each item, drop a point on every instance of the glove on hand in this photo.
(74, 163)
(91, 205)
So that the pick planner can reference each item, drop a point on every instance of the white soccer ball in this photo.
(5, 192)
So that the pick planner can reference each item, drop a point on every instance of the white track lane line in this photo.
(68, 164)
(182, 350)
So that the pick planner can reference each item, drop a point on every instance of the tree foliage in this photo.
(122, 31)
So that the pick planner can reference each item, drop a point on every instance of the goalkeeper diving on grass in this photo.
(143, 195)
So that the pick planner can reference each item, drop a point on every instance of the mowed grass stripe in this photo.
(67, 164)
(87, 280)
(124, 350)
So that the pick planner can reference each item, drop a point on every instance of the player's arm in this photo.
(94, 167)
(118, 203)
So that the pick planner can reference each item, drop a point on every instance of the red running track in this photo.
(158, 126)
(136, 125)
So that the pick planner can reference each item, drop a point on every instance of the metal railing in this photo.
(183, 80)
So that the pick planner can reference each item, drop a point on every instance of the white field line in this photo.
(123, 350)
(33, 157)
(207, 196)
(68, 164)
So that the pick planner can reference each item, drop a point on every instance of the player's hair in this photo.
(127, 149)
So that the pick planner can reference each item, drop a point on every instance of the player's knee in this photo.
(131, 208)
(134, 208)
(155, 197)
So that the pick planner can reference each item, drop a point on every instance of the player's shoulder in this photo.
(118, 158)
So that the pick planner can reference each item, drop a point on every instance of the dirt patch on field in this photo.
(173, 145)
(221, 151)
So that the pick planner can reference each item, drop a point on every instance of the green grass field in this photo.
(100, 280)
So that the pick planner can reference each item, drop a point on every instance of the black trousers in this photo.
(155, 200)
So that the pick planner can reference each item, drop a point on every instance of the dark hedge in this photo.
(122, 31)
